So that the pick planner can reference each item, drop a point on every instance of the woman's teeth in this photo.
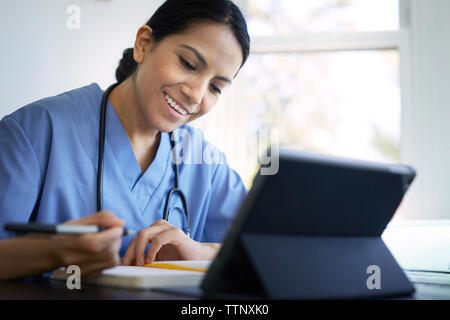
(174, 106)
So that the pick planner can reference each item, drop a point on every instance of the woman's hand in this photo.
(91, 252)
(167, 243)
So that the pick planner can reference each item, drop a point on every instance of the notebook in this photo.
(144, 277)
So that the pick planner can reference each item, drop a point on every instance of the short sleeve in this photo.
(227, 193)
(19, 174)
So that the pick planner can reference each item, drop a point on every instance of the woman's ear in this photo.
(143, 43)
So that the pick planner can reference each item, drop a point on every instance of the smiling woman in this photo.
(182, 60)
(177, 80)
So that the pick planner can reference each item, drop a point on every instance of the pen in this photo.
(174, 267)
(60, 228)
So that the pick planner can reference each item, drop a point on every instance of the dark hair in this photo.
(175, 16)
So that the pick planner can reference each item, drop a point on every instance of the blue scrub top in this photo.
(48, 169)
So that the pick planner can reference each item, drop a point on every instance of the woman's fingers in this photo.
(145, 236)
(158, 234)
(157, 244)
(91, 252)
(130, 254)
(98, 242)
(90, 249)
(167, 245)
(108, 259)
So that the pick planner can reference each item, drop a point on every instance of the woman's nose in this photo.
(194, 91)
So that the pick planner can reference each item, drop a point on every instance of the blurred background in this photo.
(365, 79)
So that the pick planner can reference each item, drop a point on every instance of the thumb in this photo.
(101, 218)
(108, 219)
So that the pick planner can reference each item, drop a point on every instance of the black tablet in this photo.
(313, 230)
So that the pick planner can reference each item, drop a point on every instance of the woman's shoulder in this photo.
(69, 110)
(74, 102)
(41, 123)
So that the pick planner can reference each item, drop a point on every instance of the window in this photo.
(345, 103)
(279, 17)
(355, 78)
(325, 74)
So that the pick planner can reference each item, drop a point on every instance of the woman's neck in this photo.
(143, 138)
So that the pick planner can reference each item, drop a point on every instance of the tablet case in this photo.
(313, 231)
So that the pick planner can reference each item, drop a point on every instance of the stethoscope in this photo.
(101, 147)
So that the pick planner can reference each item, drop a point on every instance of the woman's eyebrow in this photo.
(223, 79)
(197, 54)
(203, 61)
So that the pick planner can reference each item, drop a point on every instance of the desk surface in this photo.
(46, 289)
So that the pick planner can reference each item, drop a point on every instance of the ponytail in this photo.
(127, 65)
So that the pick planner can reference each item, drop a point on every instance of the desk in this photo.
(42, 289)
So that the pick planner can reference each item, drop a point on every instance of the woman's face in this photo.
(182, 77)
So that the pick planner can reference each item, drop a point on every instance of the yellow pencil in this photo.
(174, 267)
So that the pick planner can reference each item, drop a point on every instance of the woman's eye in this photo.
(186, 64)
(215, 89)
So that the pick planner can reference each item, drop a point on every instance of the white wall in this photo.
(40, 56)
